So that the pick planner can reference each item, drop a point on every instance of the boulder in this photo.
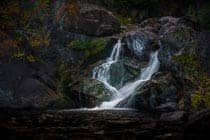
(167, 107)
(176, 116)
(92, 88)
(21, 85)
(86, 19)
(162, 89)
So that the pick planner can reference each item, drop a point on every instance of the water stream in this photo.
(102, 73)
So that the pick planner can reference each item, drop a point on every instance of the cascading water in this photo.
(102, 74)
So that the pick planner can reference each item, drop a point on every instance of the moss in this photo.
(189, 63)
(38, 39)
(90, 47)
(200, 101)
(31, 58)
(124, 20)
(192, 69)
(182, 34)
(19, 55)
(62, 102)
(181, 104)
(93, 88)
(64, 77)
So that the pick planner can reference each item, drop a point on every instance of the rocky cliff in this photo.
(48, 50)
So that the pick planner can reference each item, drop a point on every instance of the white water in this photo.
(102, 74)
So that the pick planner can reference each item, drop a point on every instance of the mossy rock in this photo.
(94, 88)
(189, 61)
(62, 102)
(183, 35)
(200, 101)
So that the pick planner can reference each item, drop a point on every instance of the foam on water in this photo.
(102, 73)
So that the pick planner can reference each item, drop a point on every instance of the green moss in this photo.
(31, 58)
(181, 103)
(182, 34)
(18, 55)
(124, 20)
(90, 47)
(200, 101)
(64, 77)
(193, 72)
(189, 62)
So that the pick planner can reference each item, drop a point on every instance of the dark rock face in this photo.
(204, 51)
(166, 107)
(198, 125)
(86, 19)
(132, 41)
(26, 85)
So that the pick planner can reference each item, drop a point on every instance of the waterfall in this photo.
(101, 73)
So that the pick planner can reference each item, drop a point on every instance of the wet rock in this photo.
(167, 107)
(167, 136)
(94, 89)
(160, 90)
(118, 75)
(176, 116)
(138, 45)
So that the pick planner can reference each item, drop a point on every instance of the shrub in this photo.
(124, 20)
(90, 47)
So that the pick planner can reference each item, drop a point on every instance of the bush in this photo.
(90, 47)
(124, 20)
